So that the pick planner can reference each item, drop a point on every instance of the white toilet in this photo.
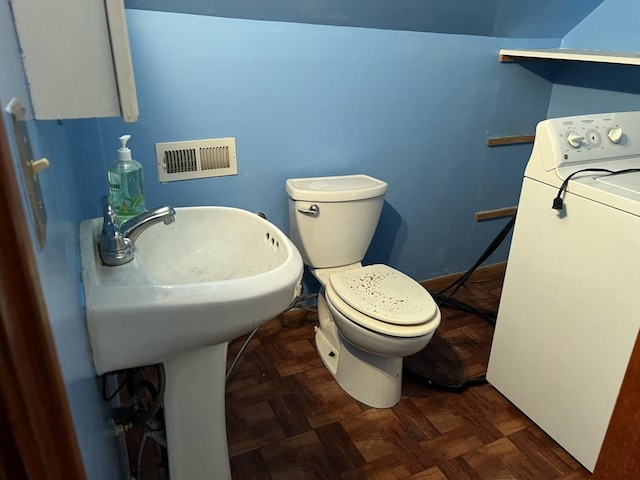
(370, 317)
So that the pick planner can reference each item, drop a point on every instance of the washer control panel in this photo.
(593, 137)
(588, 138)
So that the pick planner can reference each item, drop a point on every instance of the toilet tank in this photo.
(332, 219)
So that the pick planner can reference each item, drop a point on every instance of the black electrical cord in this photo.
(495, 243)
(132, 415)
(159, 398)
(149, 387)
(558, 204)
(447, 301)
(128, 372)
(108, 398)
(455, 304)
(458, 387)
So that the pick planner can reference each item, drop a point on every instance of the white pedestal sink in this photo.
(213, 275)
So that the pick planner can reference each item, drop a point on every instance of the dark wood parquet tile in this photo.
(387, 467)
(250, 464)
(287, 418)
(290, 415)
(458, 469)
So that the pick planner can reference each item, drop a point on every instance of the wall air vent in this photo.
(214, 157)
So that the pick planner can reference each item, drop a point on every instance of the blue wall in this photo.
(414, 109)
(589, 88)
(611, 26)
(58, 265)
(488, 18)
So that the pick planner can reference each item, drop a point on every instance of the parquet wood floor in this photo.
(288, 419)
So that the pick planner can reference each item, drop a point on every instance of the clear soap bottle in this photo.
(126, 184)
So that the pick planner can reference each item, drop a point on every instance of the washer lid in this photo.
(626, 181)
(385, 294)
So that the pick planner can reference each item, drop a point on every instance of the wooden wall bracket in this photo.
(511, 140)
(497, 213)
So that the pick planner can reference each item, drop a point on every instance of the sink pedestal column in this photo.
(194, 410)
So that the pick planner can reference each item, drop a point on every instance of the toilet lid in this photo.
(385, 294)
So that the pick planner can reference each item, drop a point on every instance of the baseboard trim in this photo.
(489, 272)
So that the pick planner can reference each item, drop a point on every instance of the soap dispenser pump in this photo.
(126, 184)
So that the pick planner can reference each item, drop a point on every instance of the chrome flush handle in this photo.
(313, 210)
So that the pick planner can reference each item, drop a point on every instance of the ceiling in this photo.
(491, 18)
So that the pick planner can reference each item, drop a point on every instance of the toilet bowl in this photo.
(370, 317)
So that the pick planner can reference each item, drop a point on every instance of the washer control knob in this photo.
(574, 140)
(615, 134)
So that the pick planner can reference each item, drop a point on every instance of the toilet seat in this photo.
(383, 300)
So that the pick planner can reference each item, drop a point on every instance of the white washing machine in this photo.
(570, 307)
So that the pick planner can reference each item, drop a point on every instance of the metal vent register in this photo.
(196, 159)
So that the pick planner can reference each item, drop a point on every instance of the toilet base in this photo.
(371, 379)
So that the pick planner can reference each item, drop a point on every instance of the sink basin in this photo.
(212, 276)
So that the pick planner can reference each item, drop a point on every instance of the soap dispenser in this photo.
(126, 184)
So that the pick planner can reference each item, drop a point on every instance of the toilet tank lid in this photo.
(339, 188)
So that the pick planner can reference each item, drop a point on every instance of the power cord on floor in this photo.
(495, 243)
(450, 386)
(455, 304)
(448, 301)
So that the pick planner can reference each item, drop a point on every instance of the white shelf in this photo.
(597, 56)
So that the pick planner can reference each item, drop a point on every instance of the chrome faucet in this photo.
(117, 241)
